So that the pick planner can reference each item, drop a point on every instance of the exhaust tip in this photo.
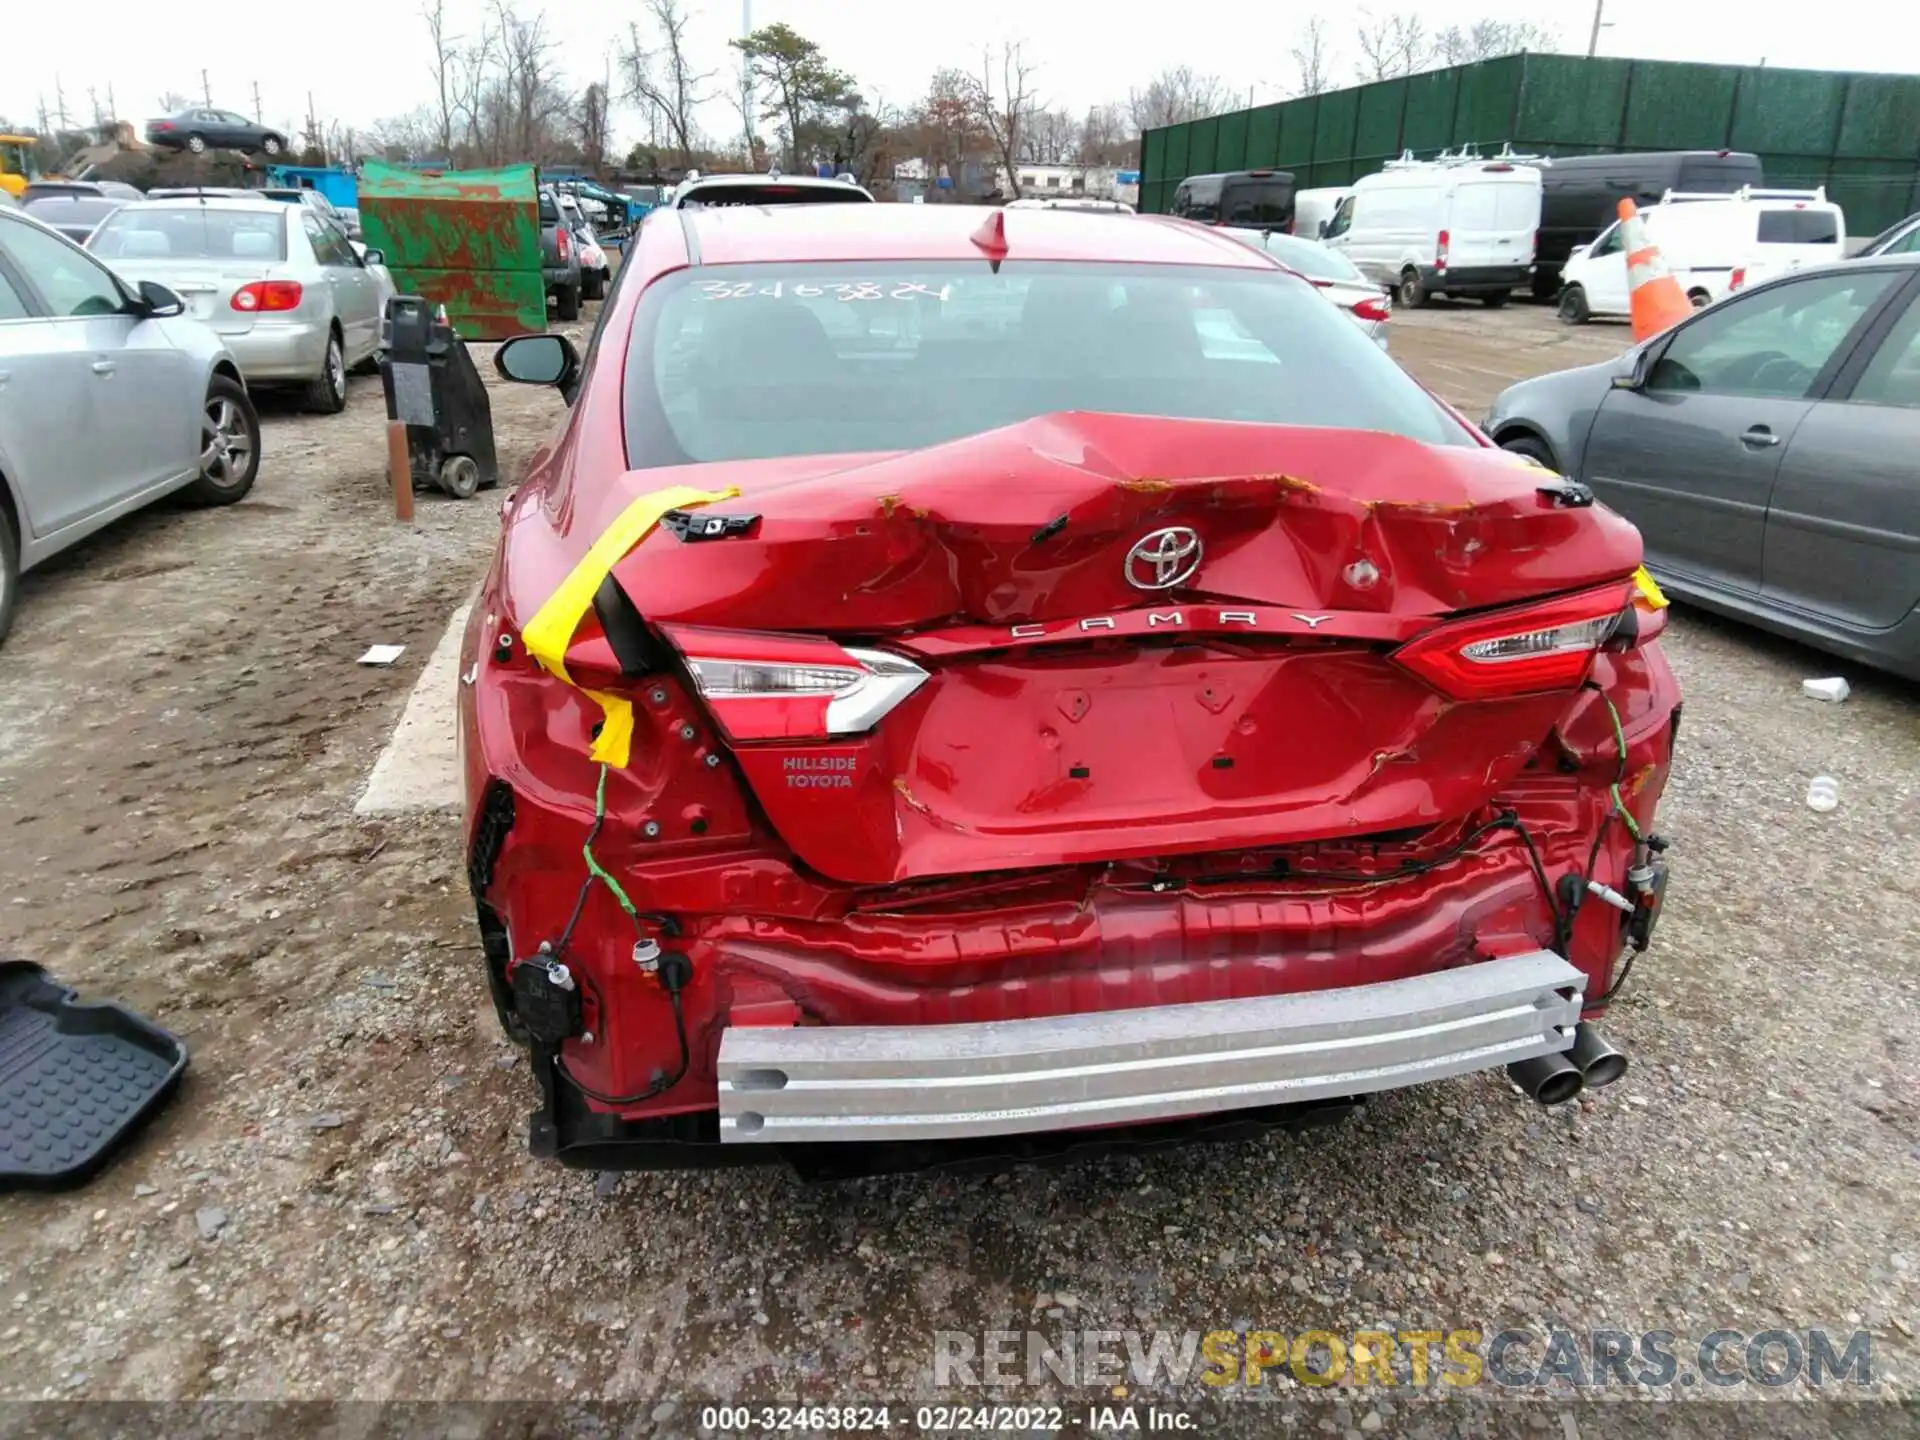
(1599, 1063)
(1548, 1079)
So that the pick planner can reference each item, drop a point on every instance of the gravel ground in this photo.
(338, 1205)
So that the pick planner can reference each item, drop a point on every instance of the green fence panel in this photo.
(1263, 137)
(1788, 111)
(1881, 119)
(1230, 150)
(1333, 134)
(1427, 125)
(1874, 193)
(1680, 107)
(1489, 102)
(1153, 165)
(1566, 100)
(1299, 119)
(1179, 152)
(1376, 131)
(1201, 157)
(465, 239)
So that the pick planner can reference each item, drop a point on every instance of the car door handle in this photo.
(1759, 437)
(104, 367)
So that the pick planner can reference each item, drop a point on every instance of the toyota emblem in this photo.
(1162, 559)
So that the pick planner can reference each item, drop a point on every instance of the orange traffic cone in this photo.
(1658, 303)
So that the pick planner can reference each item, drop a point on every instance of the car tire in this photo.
(593, 285)
(460, 476)
(1532, 447)
(1496, 299)
(326, 393)
(1545, 286)
(1413, 294)
(229, 444)
(197, 144)
(1573, 306)
(270, 145)
(9, 570)
(566, 303)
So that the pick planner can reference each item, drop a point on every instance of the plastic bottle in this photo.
(1824, 793)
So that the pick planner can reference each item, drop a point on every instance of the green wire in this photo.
(1620, 740)
(595, 869)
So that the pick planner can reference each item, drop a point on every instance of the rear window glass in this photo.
(68, 210)
(754, 362)
(1799, 227)
(1718, 174)
(192, 233)
(757, 193)
(1310, 259)
(1257, 202)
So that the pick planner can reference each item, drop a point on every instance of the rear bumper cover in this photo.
(934, 1082)
(1475, 278)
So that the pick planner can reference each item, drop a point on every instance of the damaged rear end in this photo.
(1094, 772)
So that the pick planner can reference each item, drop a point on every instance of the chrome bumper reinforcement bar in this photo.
(1000, 1077)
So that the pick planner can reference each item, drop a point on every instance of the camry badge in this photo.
(1162, 559)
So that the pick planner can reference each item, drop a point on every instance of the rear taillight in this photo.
(1738, 278)
(1522, 651)
(792, 687)
(560, 243)
(1440, 251)
(266, 296)
(1374, 308)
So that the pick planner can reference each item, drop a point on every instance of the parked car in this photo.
(596, 272)
(74, 216)
(285, 290)
(946, 616)
(1581, 194)
(109, 399)
(1459, 225)
(1901, 239)
(699, 191)
(307, 196)
(1335, 276)
(203, 128)
(1071, 202)
(1713, 244)
(559, 259)
(1764, 448)
(350, 217)
(199, 192)
(1313, 210)
(1240, 199)
(113, 189)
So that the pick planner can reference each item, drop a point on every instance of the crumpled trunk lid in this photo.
(1073, 716)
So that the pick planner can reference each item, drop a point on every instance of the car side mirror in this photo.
(538, 360)
(373, 257)
(157, 302)
(1634, 377)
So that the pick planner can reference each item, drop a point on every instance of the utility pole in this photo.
(59, 103)
(313, 131)
(746, 77)
(256, 104)
(206, 90)
(1593, 40)
(46, 125)
(113, 110)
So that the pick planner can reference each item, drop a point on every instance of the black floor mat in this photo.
(76, 1078)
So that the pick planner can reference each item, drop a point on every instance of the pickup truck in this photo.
(559, 259)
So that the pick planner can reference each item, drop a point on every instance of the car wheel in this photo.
(1413, 294)
(1495, 300)
(197, 144)
(326, 393)
(229, 444)
(1699, 299)
(1531, 447)
(592, 285)
(460, 476)
(566, 303)
(9, 570)
(1573, 306)
(271, 145)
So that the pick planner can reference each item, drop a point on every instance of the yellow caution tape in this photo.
(552, 628)
(1650, 592)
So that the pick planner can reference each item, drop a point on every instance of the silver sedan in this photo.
(1331, 273)
(281, 285)
(110, 397)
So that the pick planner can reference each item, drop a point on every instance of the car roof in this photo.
(213, 202)
(745, 234)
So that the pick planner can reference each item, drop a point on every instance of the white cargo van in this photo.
(1458, 225)
(1313, 210)
(1713, 244)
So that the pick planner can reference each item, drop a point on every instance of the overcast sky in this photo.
(365, 59)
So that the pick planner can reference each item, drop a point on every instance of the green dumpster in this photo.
(465, 239)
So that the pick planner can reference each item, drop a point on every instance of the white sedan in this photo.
(1330, 272)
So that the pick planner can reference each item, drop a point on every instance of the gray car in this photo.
(282, 285)
(1766, 450)
(110, 397)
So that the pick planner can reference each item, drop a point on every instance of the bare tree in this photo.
(1176, 95)
(171, 103)
(1489, 39)
(473, 64)
(662, 80)
(412, 136)
(530, 88)
(1106, 137)
(446, 61)
(1392, 45)
(1003, 96)
(1051, 137)
(1313, 59)
(594, 133)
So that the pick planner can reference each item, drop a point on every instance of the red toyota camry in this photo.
(966, 683)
